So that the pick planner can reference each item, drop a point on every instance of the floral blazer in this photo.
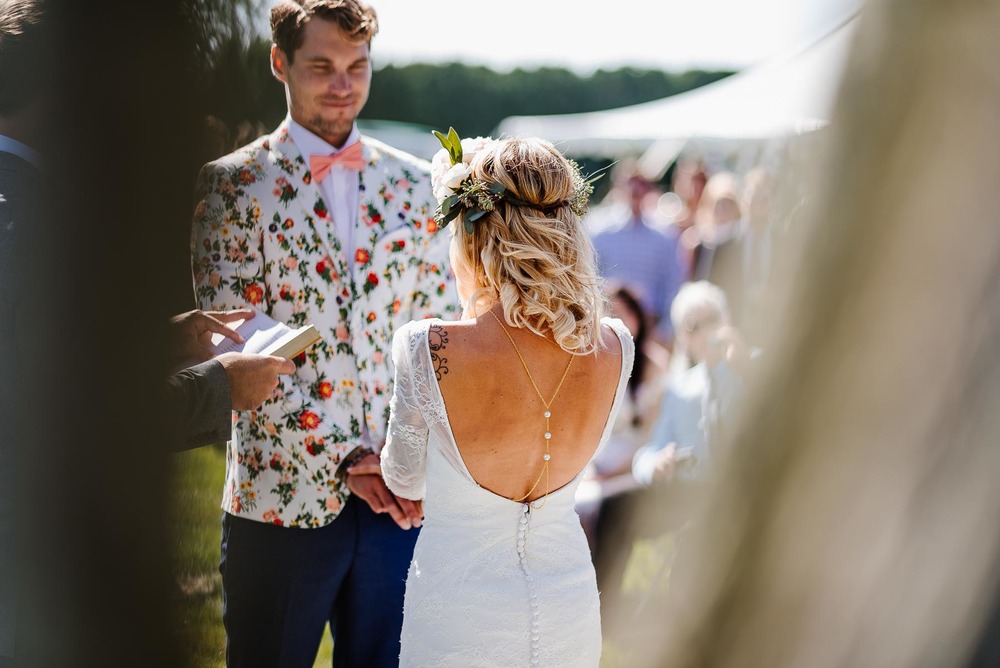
(263, 237)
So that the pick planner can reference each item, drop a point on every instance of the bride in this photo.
(494, 417)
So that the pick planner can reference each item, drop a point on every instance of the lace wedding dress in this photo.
(493, 582)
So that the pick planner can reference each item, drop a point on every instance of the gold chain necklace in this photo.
(548, 413)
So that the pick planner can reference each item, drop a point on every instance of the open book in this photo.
(266, 336)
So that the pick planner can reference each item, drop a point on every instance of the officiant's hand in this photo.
(371, 489)
(193, 331)
(252, 378)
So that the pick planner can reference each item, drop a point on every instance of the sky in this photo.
(669, 34)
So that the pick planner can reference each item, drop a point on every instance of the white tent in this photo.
(778, 98)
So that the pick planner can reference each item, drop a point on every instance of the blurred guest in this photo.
(637, 253)
(679, 453)
(718, 220)
(698, 399)
(609, 477)
(689, 180)
(741, 262)
(634, 423)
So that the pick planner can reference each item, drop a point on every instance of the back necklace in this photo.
(547, 414)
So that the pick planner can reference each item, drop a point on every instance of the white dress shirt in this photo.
(339, 188)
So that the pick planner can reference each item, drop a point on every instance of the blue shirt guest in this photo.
(641, 256)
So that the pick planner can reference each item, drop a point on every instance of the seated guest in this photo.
(696, 398)
(634, 424)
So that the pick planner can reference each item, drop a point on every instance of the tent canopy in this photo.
(777, 98)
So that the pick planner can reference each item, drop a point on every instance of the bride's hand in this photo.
(371, 489)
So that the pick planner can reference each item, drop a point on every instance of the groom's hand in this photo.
(370, 488)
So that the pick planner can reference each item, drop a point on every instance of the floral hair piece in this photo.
(456, 190)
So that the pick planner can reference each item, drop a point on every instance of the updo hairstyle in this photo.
(535, 259)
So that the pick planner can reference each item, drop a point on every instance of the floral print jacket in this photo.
(263, 237)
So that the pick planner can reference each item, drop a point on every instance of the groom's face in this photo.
(327, 83)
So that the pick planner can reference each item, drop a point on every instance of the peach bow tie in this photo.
(349, 157)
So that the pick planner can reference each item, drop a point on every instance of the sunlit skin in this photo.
(327, 82)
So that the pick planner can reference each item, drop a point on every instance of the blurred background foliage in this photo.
(237, 86)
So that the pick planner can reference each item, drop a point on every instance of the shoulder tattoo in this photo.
(437, 339)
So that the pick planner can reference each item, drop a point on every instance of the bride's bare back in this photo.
(496, 416)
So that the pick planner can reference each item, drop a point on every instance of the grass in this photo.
(647, 573)
(196, 522)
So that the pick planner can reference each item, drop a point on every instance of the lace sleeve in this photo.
(404, 456)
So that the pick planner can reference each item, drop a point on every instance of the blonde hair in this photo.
(540, 265)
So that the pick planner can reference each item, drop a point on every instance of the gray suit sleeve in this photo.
(199, 405)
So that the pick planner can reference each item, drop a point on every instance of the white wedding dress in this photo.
(493, 582)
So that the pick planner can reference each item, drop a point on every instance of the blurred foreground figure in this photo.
(21, 46)
(855, 525)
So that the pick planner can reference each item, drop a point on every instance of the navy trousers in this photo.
(280, 587)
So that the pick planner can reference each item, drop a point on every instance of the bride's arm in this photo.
(404, 456)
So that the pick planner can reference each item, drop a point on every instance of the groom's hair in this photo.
(288, 20)
(23, 53)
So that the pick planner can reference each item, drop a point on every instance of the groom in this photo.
(315, 224)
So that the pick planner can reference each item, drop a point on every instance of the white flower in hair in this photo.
(460, 194)
(448, 182)
(440, 163)
(447, 175)
(470, 147)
